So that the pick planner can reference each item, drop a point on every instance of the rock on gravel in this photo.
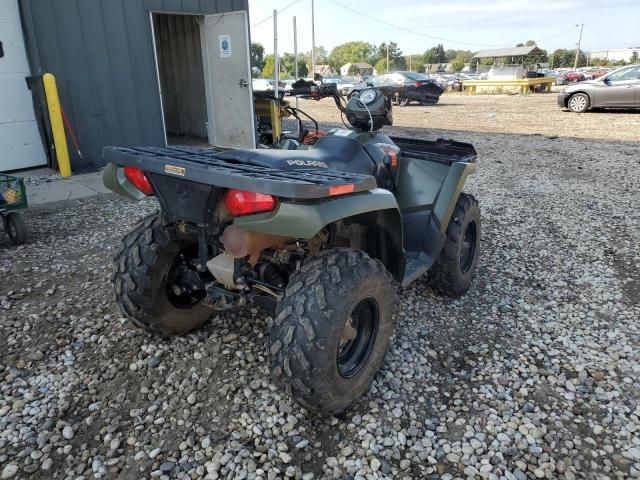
(9, 471)
(533, 374)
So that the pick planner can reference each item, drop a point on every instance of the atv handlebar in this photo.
(305, 91)
(311, 90)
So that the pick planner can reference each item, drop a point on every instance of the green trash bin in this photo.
(13, 196)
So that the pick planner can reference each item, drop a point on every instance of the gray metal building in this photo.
(112, 58)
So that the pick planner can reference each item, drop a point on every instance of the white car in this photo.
(288, 85)
(262, 85)
(266, 85)
(344, 87)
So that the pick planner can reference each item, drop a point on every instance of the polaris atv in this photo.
(314, 235)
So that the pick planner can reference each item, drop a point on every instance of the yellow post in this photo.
(57, 126)
(276, 121)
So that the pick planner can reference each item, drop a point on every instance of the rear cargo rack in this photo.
(202, 165)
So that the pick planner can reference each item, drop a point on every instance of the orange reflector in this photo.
(394, 158)
(341, 189)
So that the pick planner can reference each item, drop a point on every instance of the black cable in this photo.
(412, 31)
(271, 16)
(555, 36)
(627, 44)
(343, 122)
(315, 122)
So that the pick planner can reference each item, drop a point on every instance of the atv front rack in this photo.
(441, 150)
(203, 165)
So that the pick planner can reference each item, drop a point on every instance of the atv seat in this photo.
(330, 152)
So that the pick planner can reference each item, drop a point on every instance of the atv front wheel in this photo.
(332, 329)
(154, 284)
(455, 268)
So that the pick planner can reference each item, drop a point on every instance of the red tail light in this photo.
(240, 202)
(139, 180)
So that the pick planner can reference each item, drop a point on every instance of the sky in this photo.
(417, 25)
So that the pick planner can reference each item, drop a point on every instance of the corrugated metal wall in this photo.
(102, 53)
(179, 54)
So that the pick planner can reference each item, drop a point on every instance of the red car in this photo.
(573, 76)
(597, 73)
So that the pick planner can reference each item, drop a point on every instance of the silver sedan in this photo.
(618, 89)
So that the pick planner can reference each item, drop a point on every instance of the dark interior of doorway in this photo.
(180, 67)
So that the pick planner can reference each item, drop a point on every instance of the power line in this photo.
(271, 16)
(571, 30)
(361, 14)
(618, 42)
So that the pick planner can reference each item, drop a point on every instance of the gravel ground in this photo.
(535, 373)
(522, 114)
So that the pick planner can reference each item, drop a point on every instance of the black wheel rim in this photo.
(358, 338)
(468, 250)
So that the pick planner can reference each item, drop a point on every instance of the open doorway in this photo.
(181, 76)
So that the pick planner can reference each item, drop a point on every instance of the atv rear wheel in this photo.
(332, 329)
(455, 268)
(153, 283)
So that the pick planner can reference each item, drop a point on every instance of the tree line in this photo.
(379, 55)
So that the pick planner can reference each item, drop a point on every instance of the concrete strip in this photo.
(77, 186)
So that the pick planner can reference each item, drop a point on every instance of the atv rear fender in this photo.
(377, 209)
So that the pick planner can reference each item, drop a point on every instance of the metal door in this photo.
(227, 73)
(19, 135)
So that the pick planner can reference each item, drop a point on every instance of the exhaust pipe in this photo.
(239, 243)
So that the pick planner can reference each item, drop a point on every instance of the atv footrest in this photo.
(203, 165)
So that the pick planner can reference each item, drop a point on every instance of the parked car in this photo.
(404, 87)
(570, 77)
(343, 86)
(620, 88)
(598, 72)
(266, 85)
(288, 85)
(446, 80)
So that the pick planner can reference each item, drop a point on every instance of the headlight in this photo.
(368, 96)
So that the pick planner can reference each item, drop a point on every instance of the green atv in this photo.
(314, 235)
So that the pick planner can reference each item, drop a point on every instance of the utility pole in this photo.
(575, 63)
(313, 41)
(387, 58)
(410, 64)
(295, 47)
(276, 62)
(295, 54)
